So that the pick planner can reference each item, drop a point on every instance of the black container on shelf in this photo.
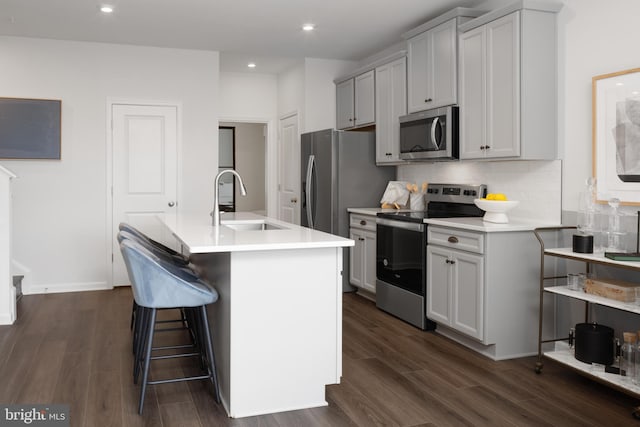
(594, 343)
(583, 243)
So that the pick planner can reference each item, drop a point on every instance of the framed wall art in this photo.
(616, 136)
(30, 128)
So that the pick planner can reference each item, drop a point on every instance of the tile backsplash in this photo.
(536, 184)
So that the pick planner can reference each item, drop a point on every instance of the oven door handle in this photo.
(411, 226)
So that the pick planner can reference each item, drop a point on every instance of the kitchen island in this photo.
(277, 326)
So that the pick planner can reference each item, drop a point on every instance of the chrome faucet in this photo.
(216, 204)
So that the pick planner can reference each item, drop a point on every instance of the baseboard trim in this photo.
(6, 319)
(56, 288)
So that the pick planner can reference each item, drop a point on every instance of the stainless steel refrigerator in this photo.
(339, 171)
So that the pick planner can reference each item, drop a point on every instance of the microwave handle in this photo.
(434, 124)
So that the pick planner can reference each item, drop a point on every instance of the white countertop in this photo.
(477, 224)
(374, 211)
(474, 224)
(197, 234)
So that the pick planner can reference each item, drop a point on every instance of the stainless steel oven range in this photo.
(401, 247)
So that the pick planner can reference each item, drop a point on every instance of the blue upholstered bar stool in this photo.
(178, 257)
(155, 286)
(178, 268)
(157, 248)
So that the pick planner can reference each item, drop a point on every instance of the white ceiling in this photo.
(265, 31)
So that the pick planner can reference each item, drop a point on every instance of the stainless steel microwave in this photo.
(430, 135)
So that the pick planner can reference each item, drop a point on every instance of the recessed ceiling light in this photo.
(251, 65)
(106, 9)
(308, 27)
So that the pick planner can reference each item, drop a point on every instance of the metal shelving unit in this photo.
(562, 353)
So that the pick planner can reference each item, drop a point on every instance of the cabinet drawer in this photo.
(456, 239)
(364, 222)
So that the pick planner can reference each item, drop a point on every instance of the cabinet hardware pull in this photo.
(482, 147)
(486, 147)
(428, 100)
(452, 239)
(360, 238)
(448, 261)
(452, 262)
(363, 222)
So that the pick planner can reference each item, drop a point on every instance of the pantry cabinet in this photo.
(355, 101)
(508, 96)
(391, 103)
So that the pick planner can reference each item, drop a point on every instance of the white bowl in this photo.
(495, 210)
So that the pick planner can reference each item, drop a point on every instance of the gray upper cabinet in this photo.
(355, 101)
(508, 95)
(432, 60)
(391, 103)
(432, 70)
(344, 104)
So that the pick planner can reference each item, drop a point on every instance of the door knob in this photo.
(171, 204)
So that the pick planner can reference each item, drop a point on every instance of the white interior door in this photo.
(144, 172)
(289, 186)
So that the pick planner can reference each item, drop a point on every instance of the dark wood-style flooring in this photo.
(75, 348)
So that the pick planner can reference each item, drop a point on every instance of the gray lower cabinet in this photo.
(455, 296)
(482, 289)
(362, 271)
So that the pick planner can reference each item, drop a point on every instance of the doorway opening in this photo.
(242, 146)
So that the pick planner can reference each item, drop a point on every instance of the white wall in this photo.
(320, 92)
(291, 93)
(248, 97)
(60, 207)
(596, 38)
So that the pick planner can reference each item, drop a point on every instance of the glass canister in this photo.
(614, 231)
(628, 352)
(589, 221)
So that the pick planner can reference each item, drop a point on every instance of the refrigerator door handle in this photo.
(310, 166)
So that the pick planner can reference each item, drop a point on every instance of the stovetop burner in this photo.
(444, 201)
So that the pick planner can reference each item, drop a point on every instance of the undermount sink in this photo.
(252, 226)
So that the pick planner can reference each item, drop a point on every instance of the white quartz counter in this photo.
(477, 224)
(197, 235)
(374, 211)
(474, 224)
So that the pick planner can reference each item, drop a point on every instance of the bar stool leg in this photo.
(209, 349)
(133, 313)
(140, 338)
(147, 356)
